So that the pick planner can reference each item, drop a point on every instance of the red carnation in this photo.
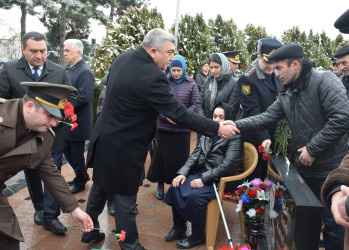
(266, 157)
(73, 118)
(277, 194)
(75, 125)
(260, 210)
(260, 149)
(252, 193)
(122, 236)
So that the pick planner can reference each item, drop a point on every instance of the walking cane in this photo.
(223, 217)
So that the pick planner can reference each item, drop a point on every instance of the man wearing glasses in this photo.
(257, 90)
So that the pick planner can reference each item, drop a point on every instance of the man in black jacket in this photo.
(137, 92)
(315, 104)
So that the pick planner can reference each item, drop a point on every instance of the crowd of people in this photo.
(140, 104)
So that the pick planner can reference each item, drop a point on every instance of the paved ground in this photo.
(154, 219)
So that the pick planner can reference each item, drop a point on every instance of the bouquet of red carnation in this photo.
(253, 197)
(70, 116)
(266, 152)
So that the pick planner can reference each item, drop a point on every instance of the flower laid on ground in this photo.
(121, 236)
(253, 197)
(266, 152)
(70, 116)
(236, 247)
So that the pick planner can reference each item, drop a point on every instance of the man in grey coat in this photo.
(34, 67)
(315, 104)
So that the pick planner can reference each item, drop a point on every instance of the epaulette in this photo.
(249, 71)
(52, 132)
(2, 100)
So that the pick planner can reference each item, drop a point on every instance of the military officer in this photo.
(234, 60)
(26, 141)
(257, 90)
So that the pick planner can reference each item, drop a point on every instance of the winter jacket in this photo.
(317, 110)
(200, 79)
(187, 93)
(226, 93)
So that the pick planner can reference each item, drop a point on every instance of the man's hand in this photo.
(266, 143)
(338, 207)
(305, 158)
(180, 179)
(227, 129)
(170, 121)
(82, 219)
(197, 183)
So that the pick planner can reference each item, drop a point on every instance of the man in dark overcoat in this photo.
(26, 140)
(82, 78)
(257, 90)
(137, 92)
(33, 67)
(315, 105)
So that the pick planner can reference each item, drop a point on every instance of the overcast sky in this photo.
(275, 16)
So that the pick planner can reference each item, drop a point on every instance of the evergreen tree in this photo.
(194, 42)
(68, 19)
(252, 35)
(227, 37)
(125, 36)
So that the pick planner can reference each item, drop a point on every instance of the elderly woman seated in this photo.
(192, 189)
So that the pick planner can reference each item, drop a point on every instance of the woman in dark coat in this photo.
(173, 141)
(219, 87)
(202, 74)
(192, 189)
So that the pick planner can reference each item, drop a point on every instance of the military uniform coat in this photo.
(257, 91)
(137, 92)
(33, 154)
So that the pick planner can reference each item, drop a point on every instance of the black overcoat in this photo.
(81, 78)
(137, 92)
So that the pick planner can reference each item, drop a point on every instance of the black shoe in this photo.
(76, 189)
(70, 182)
(55, 226)
(39, 217)
(175, 234)
(188, 243)
(94, 235)
(110, 206)
(160, 194)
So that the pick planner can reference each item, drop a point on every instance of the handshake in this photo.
(227, 129)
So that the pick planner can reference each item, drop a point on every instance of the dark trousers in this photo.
(51, 208)
(74, 153)
(308, 223)
(8, 243)
(34, 181)
(125, 214)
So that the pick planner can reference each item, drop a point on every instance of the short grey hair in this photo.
(156, 38)
(76, 43)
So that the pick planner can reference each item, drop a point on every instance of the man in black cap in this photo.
(234, 60)
(315, 104)
(342, 56)
(342, 23)
(26, 141)
(257, 90)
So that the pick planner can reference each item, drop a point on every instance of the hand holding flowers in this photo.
(69, 114)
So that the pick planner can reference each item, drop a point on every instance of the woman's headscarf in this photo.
(223, 61)
(180, 63)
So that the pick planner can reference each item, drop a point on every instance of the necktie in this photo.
(36, 74)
